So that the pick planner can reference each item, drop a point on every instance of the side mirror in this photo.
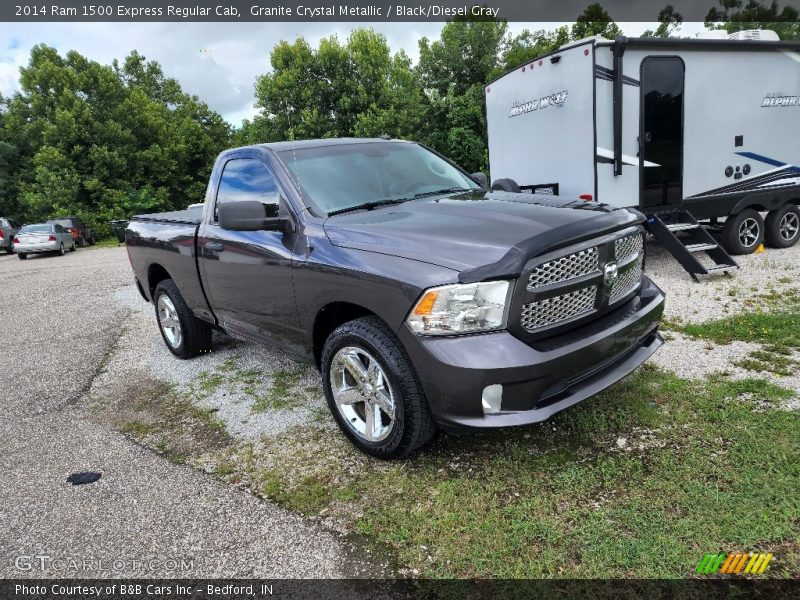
(250, 215)
(481, 178)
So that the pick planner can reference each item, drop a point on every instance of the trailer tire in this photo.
(782, 226)
(743, 232)
(506, 185)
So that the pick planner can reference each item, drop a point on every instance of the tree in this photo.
(358, 88)
(528, 45)
(735, 15)
(595, 21)
(105, 141)
(670, 22)
(466, 53)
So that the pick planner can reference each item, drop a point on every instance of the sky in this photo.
(218, 62)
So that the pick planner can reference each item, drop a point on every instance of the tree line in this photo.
(107, 141)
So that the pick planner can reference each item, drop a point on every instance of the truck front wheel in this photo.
(185, 335)
(373, 391)
(743, 232)
(783, 226)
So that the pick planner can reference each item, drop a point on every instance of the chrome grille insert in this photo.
(627, 247)
(564, 268)
(549, 311)
(627, 281)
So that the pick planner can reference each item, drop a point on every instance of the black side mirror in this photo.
(481, 178)
(250, 215)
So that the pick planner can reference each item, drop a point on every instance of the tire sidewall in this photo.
(161, 290)
(772, 227)
(731, 232)
(344, 337)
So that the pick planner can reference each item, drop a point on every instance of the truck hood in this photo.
(480, 234)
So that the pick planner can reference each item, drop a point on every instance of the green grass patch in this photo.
(283, 393)
(780, 327)
(640, 481)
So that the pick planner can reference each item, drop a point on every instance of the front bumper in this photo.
(34, 248)
(539, 379)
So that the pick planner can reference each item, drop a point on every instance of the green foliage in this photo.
(595, 21)
(670, 22)
(736, 15)
(102, 142)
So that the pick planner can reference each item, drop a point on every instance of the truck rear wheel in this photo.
(184, 334)
(782, 226)
(743, 232)
(373, 392)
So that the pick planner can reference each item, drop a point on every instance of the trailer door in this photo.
(661, 136)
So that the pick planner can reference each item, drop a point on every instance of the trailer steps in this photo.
(685, 249)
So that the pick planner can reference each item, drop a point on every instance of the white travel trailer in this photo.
(685, 130)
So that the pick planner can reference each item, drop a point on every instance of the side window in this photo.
(247, 179)
(59, 229)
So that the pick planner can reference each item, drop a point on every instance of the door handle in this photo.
(214, 246)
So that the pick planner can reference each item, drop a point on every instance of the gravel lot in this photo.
(147, 507)
(65, 316)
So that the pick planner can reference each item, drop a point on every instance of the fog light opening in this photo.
(492, 399)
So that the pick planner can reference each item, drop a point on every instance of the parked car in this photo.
(80, 232)
(424, 299)
(8, 227)
(44, 237)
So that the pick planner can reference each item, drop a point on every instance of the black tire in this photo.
(22, 256)
(733, 235)
(91, 240)
(506, 185)
(82, 242)
(782, 226)
(195, 334)
(10, 249)
(74, 246)
(61, 250)
(413, 424)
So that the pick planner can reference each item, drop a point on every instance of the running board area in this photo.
(695, 240)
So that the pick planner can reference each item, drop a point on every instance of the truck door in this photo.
(661, 136)
(247, 275)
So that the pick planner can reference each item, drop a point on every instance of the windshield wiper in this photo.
(442, 191)
(369, 205)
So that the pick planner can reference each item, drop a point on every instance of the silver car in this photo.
(46, 237)
(8, 227)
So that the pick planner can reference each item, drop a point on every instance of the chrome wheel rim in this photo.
(362, 393)
(789, 226)
(749, 231)
(169, 321)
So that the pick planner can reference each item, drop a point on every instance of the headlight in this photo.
(460, 308)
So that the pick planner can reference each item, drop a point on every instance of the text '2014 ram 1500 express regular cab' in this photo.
(425, 300)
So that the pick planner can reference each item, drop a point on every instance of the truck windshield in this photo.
(341, 177)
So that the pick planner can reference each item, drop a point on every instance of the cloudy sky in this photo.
(217, 61)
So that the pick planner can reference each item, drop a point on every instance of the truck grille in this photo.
(564, 268)
(588, 280)
(549, 311)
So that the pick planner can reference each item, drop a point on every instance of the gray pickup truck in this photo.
(426, 300)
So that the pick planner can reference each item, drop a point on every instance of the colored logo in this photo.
(735, 563)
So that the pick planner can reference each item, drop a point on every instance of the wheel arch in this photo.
(331, 316)
(156, 273)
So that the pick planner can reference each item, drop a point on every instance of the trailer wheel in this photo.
(506, 185)
(743, 233)
(782, 226)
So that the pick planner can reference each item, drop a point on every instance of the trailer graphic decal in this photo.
(773, 100)
(520, 108)
(783, 175)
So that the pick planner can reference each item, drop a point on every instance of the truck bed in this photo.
(189, 216)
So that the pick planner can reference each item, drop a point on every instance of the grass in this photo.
(283, 393)
(778, 326)
(640, 481)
